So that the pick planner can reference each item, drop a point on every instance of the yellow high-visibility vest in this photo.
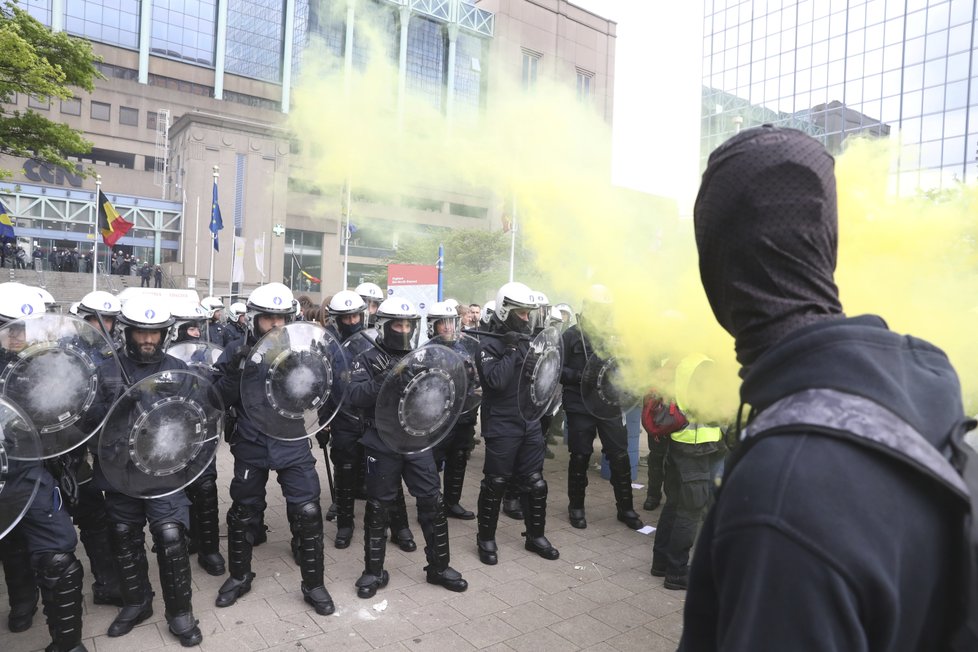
(694, 434)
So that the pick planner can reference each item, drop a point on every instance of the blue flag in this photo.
(216, 222)
(6, 225)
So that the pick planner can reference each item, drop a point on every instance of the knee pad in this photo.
(429, 504)
(167, 534)
(129, 532)
(496, 484)
(534, 484)
(50, 567)
(207, 485)
(307, 512)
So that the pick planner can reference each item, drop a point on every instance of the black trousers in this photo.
(582, 429)
(385, 469)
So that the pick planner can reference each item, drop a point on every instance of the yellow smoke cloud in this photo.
(551, 154)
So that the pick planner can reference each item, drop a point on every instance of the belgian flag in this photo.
(110, 223)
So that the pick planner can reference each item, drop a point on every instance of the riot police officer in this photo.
(347, 311)
(256, 453)
(204, 535)
(217, 330)
(452, 452)
(398, 323)
(582, 426)
(237, 320)
(372, 295)
(514, 446)
(45, 534)
(145, 330)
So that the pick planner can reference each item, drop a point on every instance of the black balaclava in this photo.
(347, 331)
(767, 232)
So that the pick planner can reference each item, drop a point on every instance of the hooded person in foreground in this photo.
(839, 522)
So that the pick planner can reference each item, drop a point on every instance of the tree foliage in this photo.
(476, 261)
(46, 65)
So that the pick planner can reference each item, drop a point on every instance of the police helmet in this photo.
(269, 299)
(396, 309)
(143, 313)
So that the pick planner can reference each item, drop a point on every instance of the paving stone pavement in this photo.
(598, 596)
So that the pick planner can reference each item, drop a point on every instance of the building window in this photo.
(151, 120)
(71, 106)
(128, 116)
(115, 22)
(584, 81)
(42, 104)
(39, 9)
(531, 60)
(426, 59)
(303, 253)
(117, 72)
(101, 111)
(256, 36)
(185, 30)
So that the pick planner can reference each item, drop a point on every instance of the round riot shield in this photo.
(421, 399)
(50, 373)
(540, 376)
(352, 347)
(20, 465)
(602, 390)
(161, 434)
(289, 387)
(467, 347)
(197, 354)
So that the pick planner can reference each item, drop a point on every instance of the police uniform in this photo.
(514, 449)
(255, 454)
(385, 470)
(582, 427)
(168, 518)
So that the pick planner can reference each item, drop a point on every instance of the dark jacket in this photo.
(499, 372)
(577, 349)
(818, 542)
(365, 384)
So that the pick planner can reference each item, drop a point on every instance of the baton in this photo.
(329, 475)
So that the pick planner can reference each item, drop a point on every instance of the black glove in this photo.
(380, 364)
(323, 437)
(511, 340)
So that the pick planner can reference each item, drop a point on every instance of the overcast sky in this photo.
(658, 64)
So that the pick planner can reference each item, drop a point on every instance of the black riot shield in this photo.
(602, 389)
(20, 464)
(290, 376)
(468, 347)
(161, 434)
(51, 375)
(540, 376)
(421, 399)
(198, 354)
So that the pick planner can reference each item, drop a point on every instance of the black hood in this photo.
(766, 230)
(860, 355)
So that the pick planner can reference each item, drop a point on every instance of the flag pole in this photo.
(512, 242)
(98, 190)
(441, 265)
(210, 279)
(196, 240)
(346, 237)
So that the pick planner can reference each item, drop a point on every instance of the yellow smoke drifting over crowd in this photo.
(550, 153)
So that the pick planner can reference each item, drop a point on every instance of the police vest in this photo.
(696, 434)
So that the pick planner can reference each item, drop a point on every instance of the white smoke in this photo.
(171, 445)
(300, 381)
(56, 386)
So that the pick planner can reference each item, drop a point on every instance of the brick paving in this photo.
(598, 596)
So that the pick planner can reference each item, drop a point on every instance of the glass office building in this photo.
(834, 68)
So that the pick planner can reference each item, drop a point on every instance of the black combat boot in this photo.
(434, 526)
(208, 528)
(490, 495)
(174, 562)
(535, 508)
(455, 463)
(93, 531)
(621, 483)
(21, 588)
(59, 575)
(375, 520)
(576, 486)
(311, 563)
(400, 532)
(346, 476)
(129, 550)
(241, 524)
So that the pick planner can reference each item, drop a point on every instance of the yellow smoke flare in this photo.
(910, 260)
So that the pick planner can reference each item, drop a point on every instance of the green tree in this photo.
(476, 261)
(46, 65)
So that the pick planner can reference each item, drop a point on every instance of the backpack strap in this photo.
(853, 417)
